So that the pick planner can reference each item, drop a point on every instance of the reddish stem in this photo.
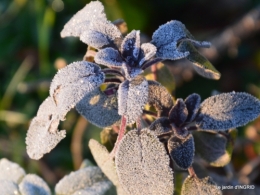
(120, 136)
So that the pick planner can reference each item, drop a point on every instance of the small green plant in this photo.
(144, 159)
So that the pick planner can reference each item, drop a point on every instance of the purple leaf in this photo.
(178, 113)
(192, 103)
(181, 151)
(130, 47)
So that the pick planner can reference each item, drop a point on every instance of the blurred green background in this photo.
(31, 50)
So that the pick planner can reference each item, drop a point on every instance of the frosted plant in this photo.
(189, 115)
(13, 180)
(120, 96)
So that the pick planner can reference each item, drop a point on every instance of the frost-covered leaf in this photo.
(132, 97)
(212, 147)
(33, 184)
(93, 11)
(181, 150)
(196, 186)
(8, 187)
(99, 188)
(147, 51)
(106, 163)
(131, 72)
(201, 64)
(161, 126)
(109, 57)
(160, 98)
(99, 109)
(227, 111)
(142, 164)
(166, 38)
(43, 135)
(72, 83)
(130, 47)
(79, 180)
(192, 103)
(179, 113)
(103, 160)
(100, 34)
(10, 171)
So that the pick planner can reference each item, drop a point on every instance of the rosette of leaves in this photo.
(217, 113)
(13, 180)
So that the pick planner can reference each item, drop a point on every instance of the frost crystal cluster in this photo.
(143, 159)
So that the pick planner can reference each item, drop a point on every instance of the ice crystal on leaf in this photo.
(43, 135)
(81, 20)
(10, 171)
(227, 111)
(13, 180)
(32, 184)
(132, 96)
(99, 109)
(72, 83)
(142, 164)
(89, 179)
(196, 186)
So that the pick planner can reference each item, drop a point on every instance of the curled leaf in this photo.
(10, 171)
(8, 187)
(99, 109)
(192, 103)
(213, 147)
(33, 184)
(182, 150)
(142, 164)
(109, 57)
(132, 97)
(79, 180)
(160, 98)
(201, 64)
(80, 21)
(72, 83)
(227, 111)
(43, 135)
(196, 186)
(100, 34)
(166, 38)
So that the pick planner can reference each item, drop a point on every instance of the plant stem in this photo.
(150, 63)
(192, 172)
(120, 136)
